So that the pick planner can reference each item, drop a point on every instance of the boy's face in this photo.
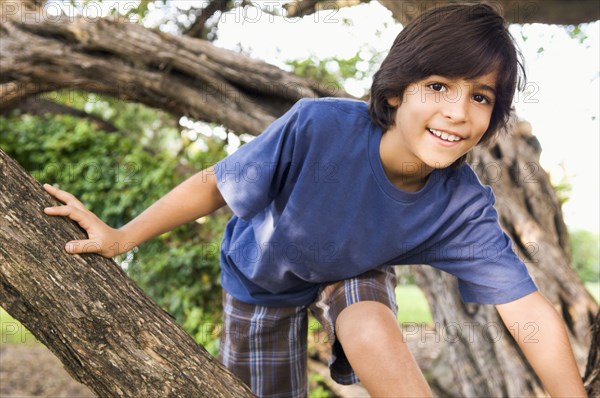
(439, 120)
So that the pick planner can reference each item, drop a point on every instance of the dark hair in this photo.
(457, 40)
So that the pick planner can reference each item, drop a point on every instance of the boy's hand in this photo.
(102, 239)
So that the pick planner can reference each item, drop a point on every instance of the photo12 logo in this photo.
(471, 332)
(65, 11)
(13, 332)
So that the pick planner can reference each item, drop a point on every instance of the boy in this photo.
(335, 192)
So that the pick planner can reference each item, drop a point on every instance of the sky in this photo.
(561, 100)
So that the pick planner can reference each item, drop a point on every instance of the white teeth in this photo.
(445, 136)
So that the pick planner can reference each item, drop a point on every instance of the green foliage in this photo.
(585, 248)
(585, 245)
(318, 388)
(327, 69)
(337, 70)
(116, 177)
(148, 127)
(575, 32)
(139, 12)
(563, 186)
(563, 190)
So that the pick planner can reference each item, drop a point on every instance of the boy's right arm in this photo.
(196, 197)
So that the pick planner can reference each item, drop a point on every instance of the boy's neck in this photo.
(408, 182)
(407, 176)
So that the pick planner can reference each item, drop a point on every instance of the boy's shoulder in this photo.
(464, 183)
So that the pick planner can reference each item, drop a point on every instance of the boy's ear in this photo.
(394, 102)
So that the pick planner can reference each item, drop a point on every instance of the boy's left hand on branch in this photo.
(102, 239)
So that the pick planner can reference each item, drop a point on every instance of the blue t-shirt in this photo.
(312, 204)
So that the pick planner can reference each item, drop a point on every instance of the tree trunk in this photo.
(592, 371)
(482, 359)
(559, 12)
(109, 335)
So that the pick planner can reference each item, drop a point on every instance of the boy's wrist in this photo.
(127, 239)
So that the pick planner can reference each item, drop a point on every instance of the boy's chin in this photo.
(439, 163)
(440, 160)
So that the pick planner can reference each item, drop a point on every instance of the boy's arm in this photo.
(195, 197)
(540, 332)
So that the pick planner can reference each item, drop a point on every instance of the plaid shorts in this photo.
(266, 347)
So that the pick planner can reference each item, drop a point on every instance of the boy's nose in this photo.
(456, 108)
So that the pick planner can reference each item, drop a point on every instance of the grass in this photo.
(12, 332)
(412, 305)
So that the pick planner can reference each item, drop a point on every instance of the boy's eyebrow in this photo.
(483, 86)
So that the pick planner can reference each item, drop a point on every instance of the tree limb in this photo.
(521, 11)
(106, 331)
(182, 75)
(198, 28)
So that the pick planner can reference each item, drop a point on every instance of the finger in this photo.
(83, 246)
(63, 196)
(82, 217)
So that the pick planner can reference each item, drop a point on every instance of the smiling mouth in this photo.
(444, 136)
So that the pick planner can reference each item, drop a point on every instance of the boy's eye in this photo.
(436, 86)
(482, 99)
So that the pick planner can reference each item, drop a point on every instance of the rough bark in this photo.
(482, 359)
(592, 371)
(530, 213)
(559, 12)
(182, 75)
(106, 331)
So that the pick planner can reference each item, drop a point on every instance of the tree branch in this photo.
(106, 331)
(182, 75)
(522, 11)
(301, 8)
(198, 28)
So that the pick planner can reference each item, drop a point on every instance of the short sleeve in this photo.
(252, 176)
(480, 254)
